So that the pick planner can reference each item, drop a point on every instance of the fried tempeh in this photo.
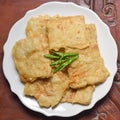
(89, 69)
(81, 96)
(67, 32)
(48, 92)
(28, 55)
(77, 83)
(36, 26)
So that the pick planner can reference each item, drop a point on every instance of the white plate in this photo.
(107, 48)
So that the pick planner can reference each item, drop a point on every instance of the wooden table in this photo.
(10, 106)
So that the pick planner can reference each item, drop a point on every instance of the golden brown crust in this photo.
(67, 32)
(48, 92)
(28, 55)
(80, 96)
(77, 82)
(89, 68)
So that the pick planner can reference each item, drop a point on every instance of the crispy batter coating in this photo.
(81, 96)
(76, 83)
(36, 26)
(89, 69)
(48, 92)
(28, 55)
(67, 32)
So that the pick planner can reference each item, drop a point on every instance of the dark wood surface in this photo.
(10, 106)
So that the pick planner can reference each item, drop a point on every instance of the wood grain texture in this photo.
(10, 106)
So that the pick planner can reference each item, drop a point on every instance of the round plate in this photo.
(106, 45)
